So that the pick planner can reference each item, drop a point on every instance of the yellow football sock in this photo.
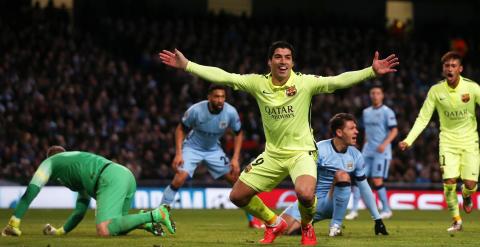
(257, 208)
(450, 191)
(466, 192)
(307, 213)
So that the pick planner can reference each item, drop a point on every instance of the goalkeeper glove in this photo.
(12, 228)
(50, 230)
(380, 227)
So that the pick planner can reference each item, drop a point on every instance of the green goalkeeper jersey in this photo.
(285, 109)
(456, 111)
(75, 170)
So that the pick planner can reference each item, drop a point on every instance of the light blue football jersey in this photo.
(377, 123)
(207, 128)
(330, 160)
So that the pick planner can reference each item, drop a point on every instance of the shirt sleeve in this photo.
(391, 119)
(189, 117)
(221, 77)
(359, 167)
(42, 175)
(235, 123)
(476, 91)
(423, 118)
(329, 84)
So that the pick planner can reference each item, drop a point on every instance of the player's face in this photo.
(281, 64)
(217, 99)
(376, 96)
(451, 71)
(349, 133)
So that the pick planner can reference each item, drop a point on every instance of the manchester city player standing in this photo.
(197, 139)
(380, 126)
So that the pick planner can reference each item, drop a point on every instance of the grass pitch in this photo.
(229, 228)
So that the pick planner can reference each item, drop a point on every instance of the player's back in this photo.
(77, 170)
(206, 127)
(331, 160)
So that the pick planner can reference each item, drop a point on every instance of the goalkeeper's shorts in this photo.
(116, 189)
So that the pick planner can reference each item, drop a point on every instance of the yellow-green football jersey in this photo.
(456, 111)
(285, 109)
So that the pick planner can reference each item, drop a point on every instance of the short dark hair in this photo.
(338, 121)
(451, 55)
(280, 44)
(213, 87)
(55, 150)
(376, 86)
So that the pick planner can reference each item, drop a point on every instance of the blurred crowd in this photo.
(102, 88)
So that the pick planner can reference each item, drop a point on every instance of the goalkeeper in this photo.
(92, 176)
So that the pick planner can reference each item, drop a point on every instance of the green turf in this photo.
(229, 228)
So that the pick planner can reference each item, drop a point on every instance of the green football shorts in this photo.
(116, 189)
(459, 162)
(267, 171)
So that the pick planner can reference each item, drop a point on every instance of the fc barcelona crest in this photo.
(291, 91)
(465, 97)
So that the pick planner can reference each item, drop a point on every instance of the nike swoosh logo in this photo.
(442, 98)
(265, 92)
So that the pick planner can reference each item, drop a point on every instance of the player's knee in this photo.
(238, 200)
(179, 179)
(102, 230)
(306, 196)
(342, 176)
(470, 184)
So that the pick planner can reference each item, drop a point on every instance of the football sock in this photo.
(356, 198)
(341, 195)
(257, 208)
(124, 224)
(466, 192)
(382, 195)
(451, 198)
(307, 213)
(169, 195)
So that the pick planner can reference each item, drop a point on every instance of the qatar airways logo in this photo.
(456, 115)
(280, 112)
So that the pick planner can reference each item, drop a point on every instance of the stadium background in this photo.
(84, 74)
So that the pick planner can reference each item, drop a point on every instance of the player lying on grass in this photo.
(92, 176)
(338, 162)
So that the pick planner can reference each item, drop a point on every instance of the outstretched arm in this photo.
(384, 66)
(173, 59)
(348, 79)
(421, 122)
(213, 74)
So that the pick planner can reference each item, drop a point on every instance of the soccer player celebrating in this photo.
(284, 99)
(454, 98)
(92, 176)
(205, 122)
(338, 163)
(380, 130)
